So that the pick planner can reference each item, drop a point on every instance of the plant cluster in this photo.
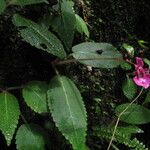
(60, 98)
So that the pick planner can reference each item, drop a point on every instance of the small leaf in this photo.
(64, 23)
(147, 99)
(135, 114)
(99, 55)
(68, 110)
(2, 5)
(143, 44)
(81, 26)
(34, 94)
(129, 130)
(26, 2)
(147, 61)
(129, 88)
(39, 36)
(129, 49)
(9, 115)
(126, 66)
(31, 137)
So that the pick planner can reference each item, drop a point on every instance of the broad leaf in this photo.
(147, 99)
(64, 24)
(135, 114)
(26, 2)
(34, 94)
(81, 26)
(129, 88)
(99, 55)
(31, 137)
(39, 36)
(2, 5)
(9, 115)
(68, 110)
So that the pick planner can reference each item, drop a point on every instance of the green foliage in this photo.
(129, 49)
(147, 99)
(31, 137)
(64, 23)
(26, 2)
(81, 26)
(2, 5)
(39, 36)
(99, 55)
(129, 88)
(9, 115)
(135, 114)
(147, 61)
(68, 110)
(62, 99)
(126, 66)
(122, 137)
(34, 94)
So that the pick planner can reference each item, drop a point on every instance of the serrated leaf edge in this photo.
(56, 124)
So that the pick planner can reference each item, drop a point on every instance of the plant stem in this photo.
(117, 122)
(115, 147)
(11, 88)
(85, 59)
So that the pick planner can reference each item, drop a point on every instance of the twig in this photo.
(117, 122)
(11, 88)
(84, 59)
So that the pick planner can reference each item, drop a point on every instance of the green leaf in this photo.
(64, 23)
(34, 94)
(9, 115)
(68, 110)
(126, 66)
(135, 114)
(39, 36)
(143, 43)
(81, 26)
(129, 49)
(2, 5)
(147, 61)
(147, 99)
(129, 88)
(31, 137)
(26, 2)
(99, 55)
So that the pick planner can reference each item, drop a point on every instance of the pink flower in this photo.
(142, 75)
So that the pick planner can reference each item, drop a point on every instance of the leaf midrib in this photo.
(67, 102)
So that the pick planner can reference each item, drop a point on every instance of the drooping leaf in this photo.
(39, 36)
(34, 94)
(68, 110)
(26, 2)
(9, 115)
(129, 88)
(64, 23)
(135, 114)
(31, 137)
(147, 99)
(81, 26)
(99, 55)
(2, 5)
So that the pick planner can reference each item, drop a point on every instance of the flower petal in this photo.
(139, 62)
(142, 81)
